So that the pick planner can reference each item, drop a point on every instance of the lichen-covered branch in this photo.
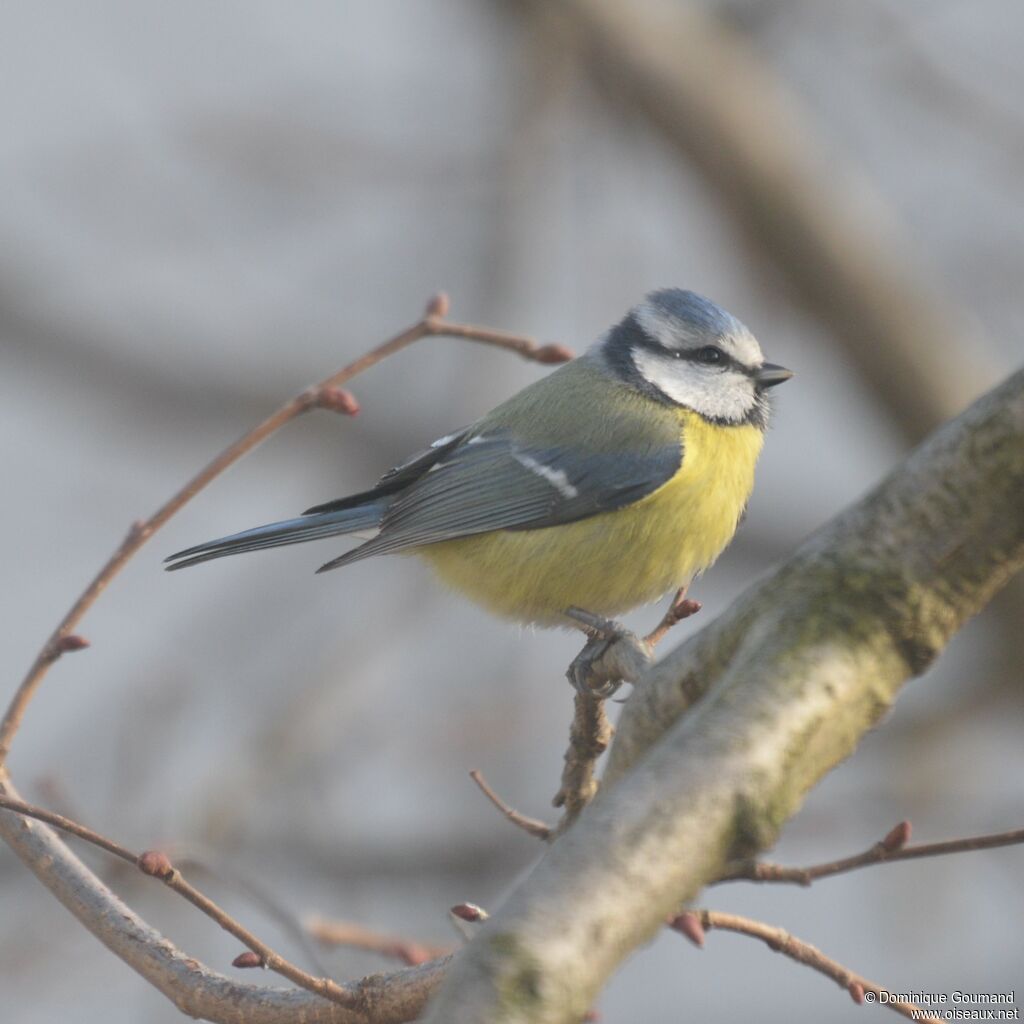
(721, 740)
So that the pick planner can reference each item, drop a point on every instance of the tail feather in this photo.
(273, 535)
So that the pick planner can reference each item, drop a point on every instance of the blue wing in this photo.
(496, 482)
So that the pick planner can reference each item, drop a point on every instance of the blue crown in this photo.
(694, 310)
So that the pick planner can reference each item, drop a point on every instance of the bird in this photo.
(617, 478)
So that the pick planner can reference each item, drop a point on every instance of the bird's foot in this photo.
(612, 655)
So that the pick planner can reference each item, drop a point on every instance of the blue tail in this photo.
(290, 531)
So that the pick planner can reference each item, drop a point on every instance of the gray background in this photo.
(205, 206)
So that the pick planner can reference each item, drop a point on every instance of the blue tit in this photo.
(610, 482)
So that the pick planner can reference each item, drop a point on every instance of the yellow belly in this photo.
(618, 560)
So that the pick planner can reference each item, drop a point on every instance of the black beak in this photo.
(769, 374)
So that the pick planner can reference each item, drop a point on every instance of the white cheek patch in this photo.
(717, 394)
(555, 477)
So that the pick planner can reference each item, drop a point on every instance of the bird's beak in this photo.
(769, 374)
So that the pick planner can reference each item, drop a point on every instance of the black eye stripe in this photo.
(634, 336)
(722, 362)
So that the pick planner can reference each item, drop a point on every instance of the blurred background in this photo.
(204, 207)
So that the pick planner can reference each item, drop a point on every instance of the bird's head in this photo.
(681, 348)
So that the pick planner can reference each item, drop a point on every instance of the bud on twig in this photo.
(437, 307)
(467, 919)
(247, 959)
(856, 990)
(156, 864)
(689, 924)
(469, 912)
(686, 608)
(72, 642)
(897, 837)
(338, 400)
(136, 530)
(553, 354)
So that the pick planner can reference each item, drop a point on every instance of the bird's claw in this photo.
(612, 655)
(584, 676)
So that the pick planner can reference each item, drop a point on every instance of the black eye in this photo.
(710, 355)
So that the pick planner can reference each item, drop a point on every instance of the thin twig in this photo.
(158, 865)
(181, 857)
(589, 736)
(286, 919)
(269, 959)
(531, 825)
(612, 655)
(199, 992)
(67, 825)
(680, 608)
(883, 852)
(356, 936)
(326, 394)
(693, 923)
(591, 732)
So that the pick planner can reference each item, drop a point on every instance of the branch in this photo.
(885, 851)
(255, 893)
(779, 690)
(591, 732)
(890, 579)
(532, 826)
(357, 936)
(65, 824)
(328, 394)
(682, 607)
(611, 656)
(693, 924)
(589, 736)
(194, 988)
(158, 865)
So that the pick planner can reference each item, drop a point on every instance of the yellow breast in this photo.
(618, 560)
